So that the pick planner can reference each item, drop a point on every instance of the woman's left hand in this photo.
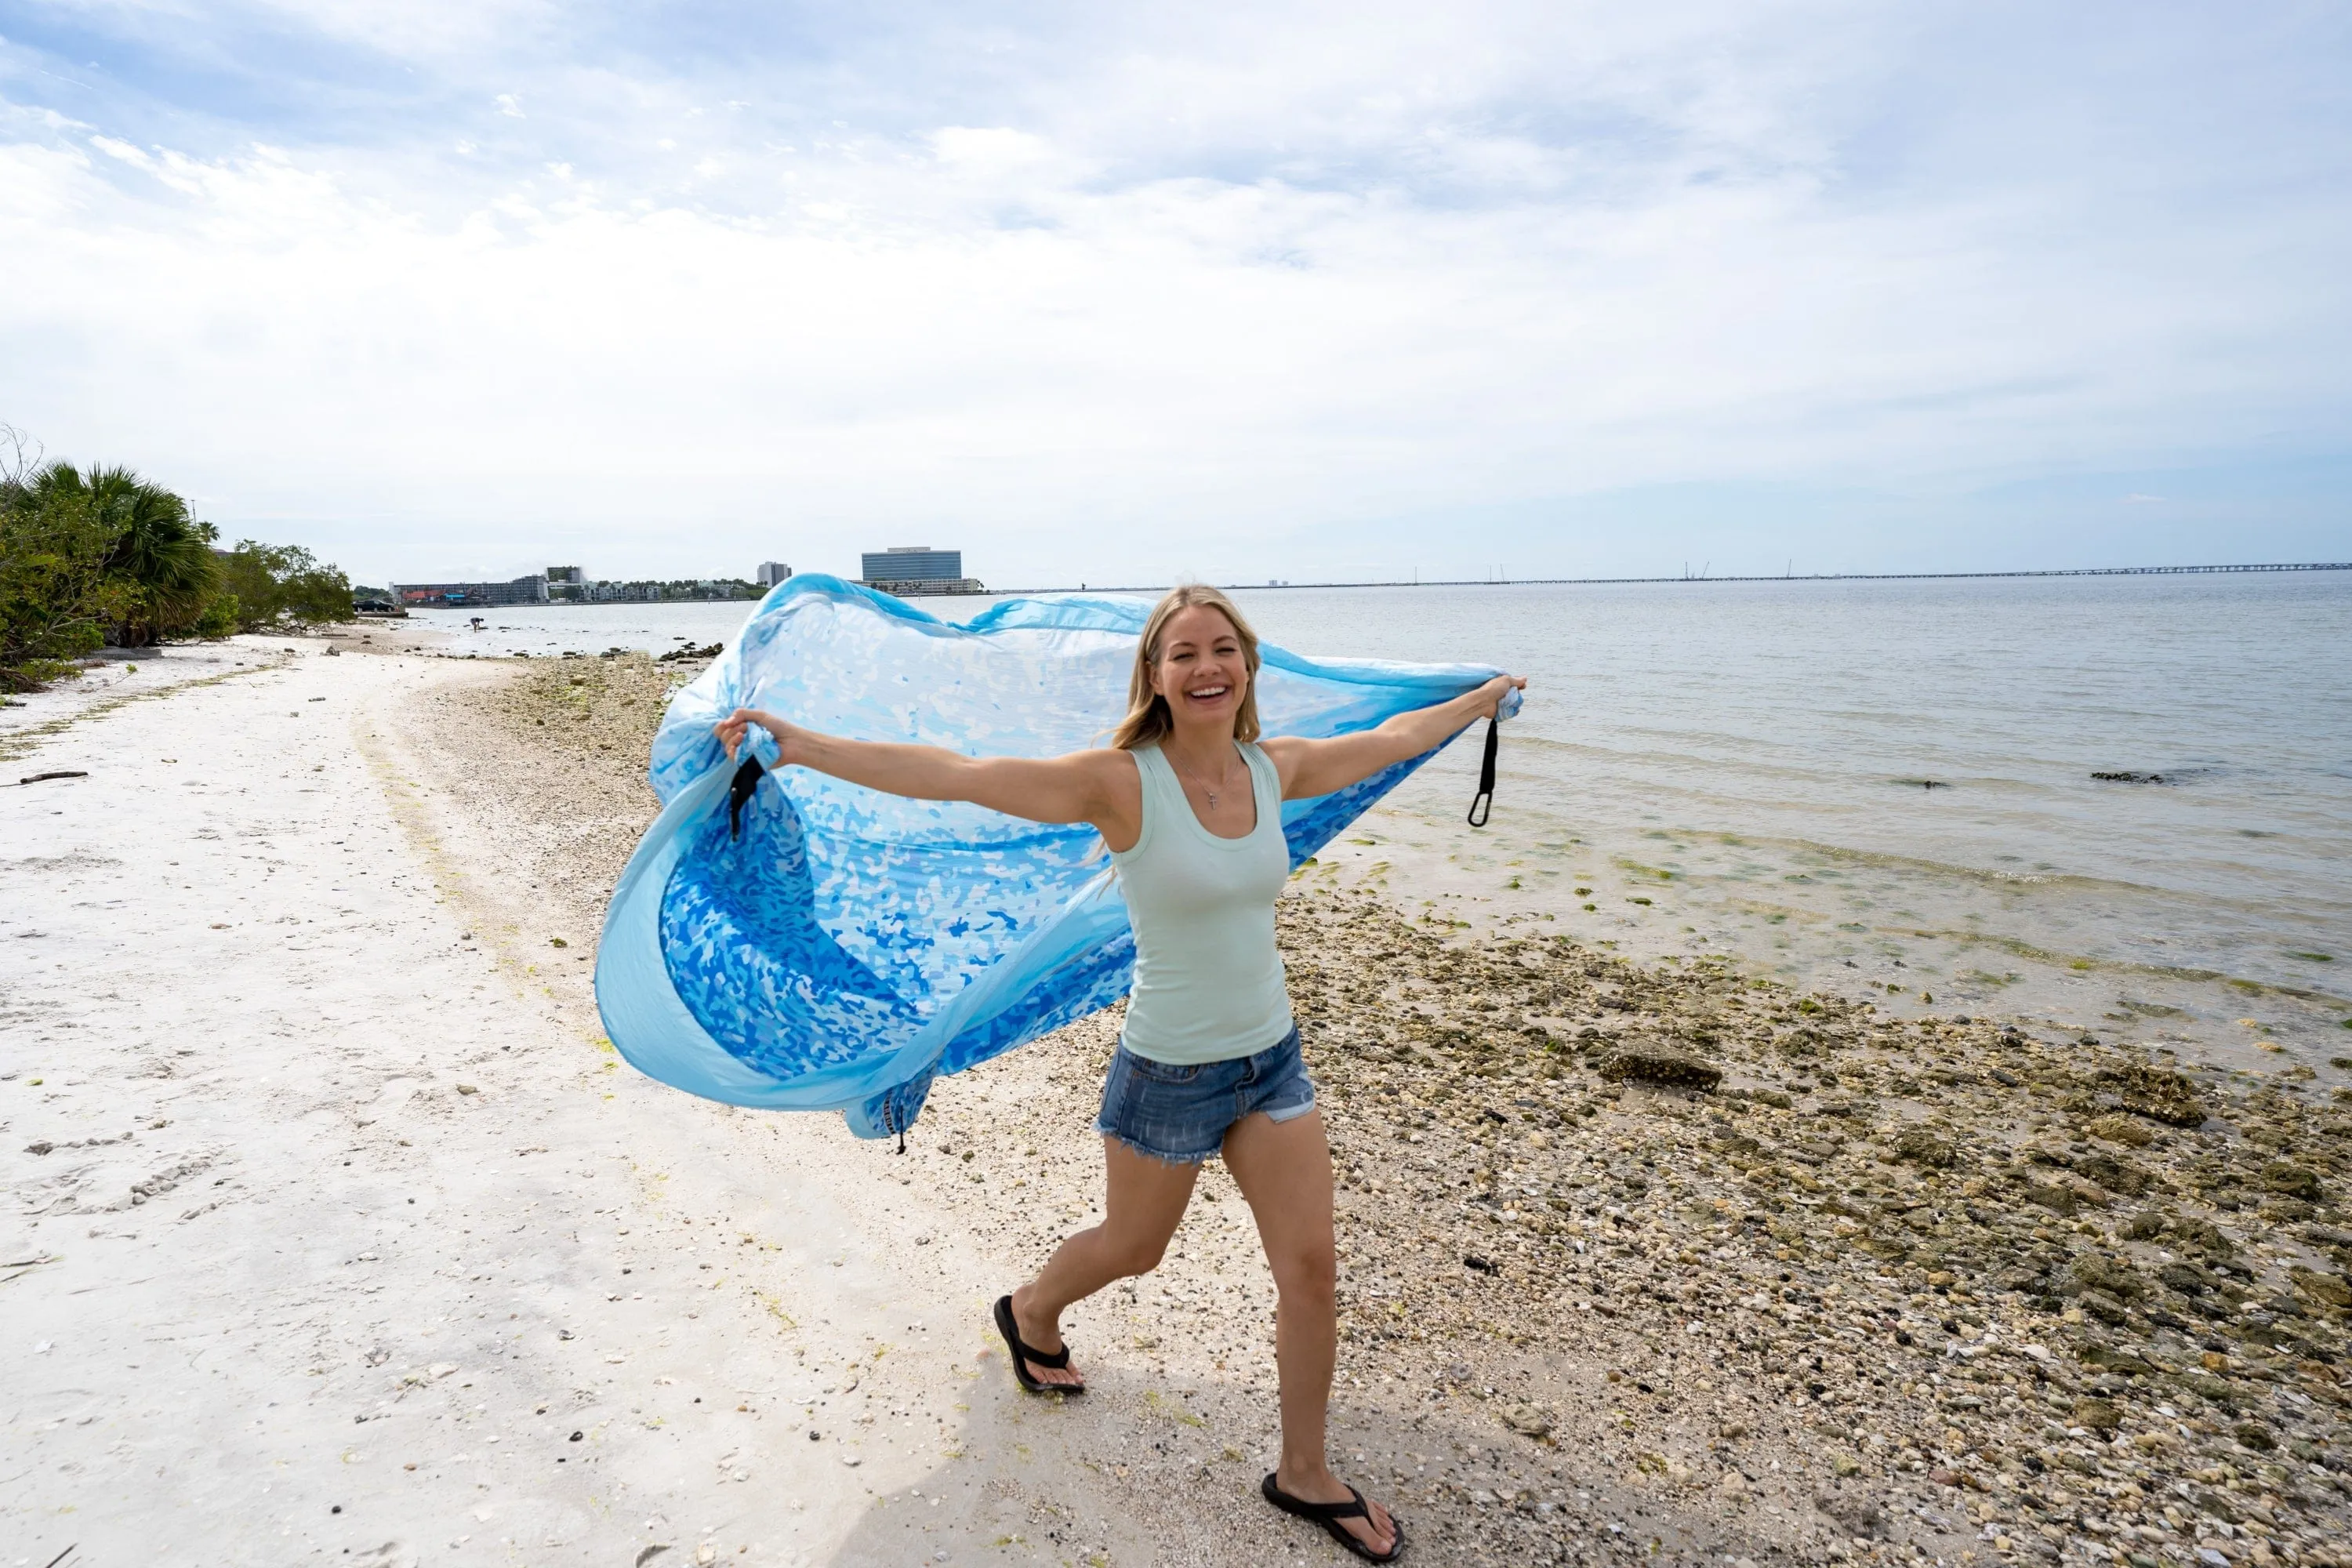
(1491, 695)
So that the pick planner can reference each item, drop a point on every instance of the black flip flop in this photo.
(1329, 1514)
(1022, 1354)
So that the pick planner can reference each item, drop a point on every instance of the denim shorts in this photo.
(1181, 1114)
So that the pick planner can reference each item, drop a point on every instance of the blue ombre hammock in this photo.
(837, 948)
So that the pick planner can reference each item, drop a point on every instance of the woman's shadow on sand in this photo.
(1155, 1468)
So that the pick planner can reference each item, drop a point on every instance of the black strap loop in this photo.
(1484, 806)
(745, 785)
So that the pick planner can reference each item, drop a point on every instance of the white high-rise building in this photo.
(772, 573)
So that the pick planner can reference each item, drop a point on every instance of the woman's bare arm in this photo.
(1311, 768)
(1081, 787)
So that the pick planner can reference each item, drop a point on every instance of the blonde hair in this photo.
(1148, 719)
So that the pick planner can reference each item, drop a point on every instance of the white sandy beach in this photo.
(349, 1240)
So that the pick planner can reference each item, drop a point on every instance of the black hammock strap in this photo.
(1484, 806)
(740, 792)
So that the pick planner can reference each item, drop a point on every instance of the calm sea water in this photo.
(1753, 760)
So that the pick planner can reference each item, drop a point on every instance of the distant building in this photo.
(624, 592)
(571, 584)
(532, 590)
(772, 573)
(912, 563)
(905, 569)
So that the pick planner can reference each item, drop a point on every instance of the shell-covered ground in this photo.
(1669, 1260)
(2045, 1293)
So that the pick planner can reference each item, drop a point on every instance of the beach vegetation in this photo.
(219, 619)
(159, 570)
(99, 556)
(280, 586)
(53, 554)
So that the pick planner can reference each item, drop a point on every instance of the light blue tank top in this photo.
(1208, 982)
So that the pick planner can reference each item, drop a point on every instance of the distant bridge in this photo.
(1703, 577)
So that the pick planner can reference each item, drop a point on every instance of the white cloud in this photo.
(1173, 296)
(123, 151)
(998, 147)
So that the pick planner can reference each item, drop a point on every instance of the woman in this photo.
(1190, 803)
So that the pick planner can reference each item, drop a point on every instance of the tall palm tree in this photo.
(161, 567)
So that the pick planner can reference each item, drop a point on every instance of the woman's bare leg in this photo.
(1283, 1169)
(1143, 1200)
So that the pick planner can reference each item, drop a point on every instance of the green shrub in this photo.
(54, 598)
(280, 584)
(219, 619)
(160, 564)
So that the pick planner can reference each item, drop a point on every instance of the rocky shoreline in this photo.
(1700, 1263)
(2044, 1293)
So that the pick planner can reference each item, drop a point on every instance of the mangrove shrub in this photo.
(274, 585)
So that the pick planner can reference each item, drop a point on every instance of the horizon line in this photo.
(1703, 577)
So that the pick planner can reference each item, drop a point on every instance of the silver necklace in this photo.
(1205, 787)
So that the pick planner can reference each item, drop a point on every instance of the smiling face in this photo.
(1195, 670)
(1203, 671)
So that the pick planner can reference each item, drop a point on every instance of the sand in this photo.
(349, 1241)
(346, 1220)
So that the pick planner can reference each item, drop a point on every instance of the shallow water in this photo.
(1754, 760)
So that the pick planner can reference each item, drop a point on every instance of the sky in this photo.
(1124, 293)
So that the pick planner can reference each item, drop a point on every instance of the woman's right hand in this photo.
(731, 730)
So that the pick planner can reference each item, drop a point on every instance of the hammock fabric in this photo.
(820, 946)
